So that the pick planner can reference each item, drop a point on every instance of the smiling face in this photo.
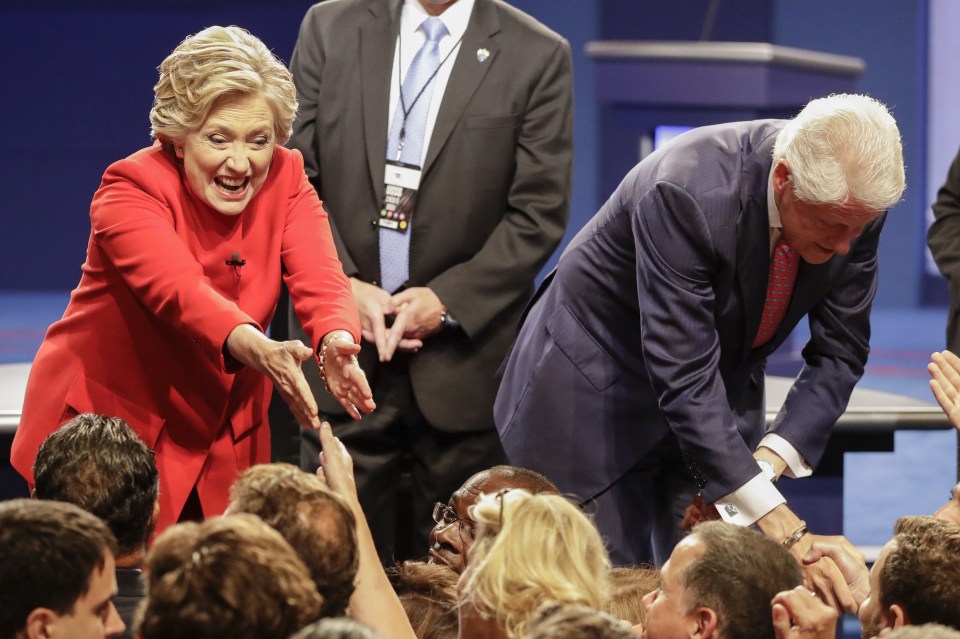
(227, 159)
(450, 542)
(816, 231)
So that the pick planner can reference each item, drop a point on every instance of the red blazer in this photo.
(142, 337)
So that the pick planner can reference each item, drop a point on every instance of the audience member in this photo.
(530, 549)
(556, 620)
(98, 463)
(718, 584)
(950, 511)
(57, 575)
(628, 585)
(455, 532)
(923, 631)
(916, 578)
(318, 524)
(229, 577)
(428, 593)
(374, 601)
(798, 615)
(336, 628)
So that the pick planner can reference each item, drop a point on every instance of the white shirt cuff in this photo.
(750, 502)
(796, 466)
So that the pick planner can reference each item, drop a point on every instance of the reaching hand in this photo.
(281, 363)
(345, 379)
(799, 614)
(823, 576)
(374, 304)
(699, 510)
(336, 465)
(848, 559)
(944, 370)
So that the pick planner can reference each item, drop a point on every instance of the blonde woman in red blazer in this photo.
(190, 238)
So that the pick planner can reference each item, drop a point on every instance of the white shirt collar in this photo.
(773, 213)
(455, 18)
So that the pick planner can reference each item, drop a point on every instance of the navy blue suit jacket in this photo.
(645, 327)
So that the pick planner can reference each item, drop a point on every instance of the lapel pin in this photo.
(482, 54)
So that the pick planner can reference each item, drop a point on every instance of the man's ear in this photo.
(40, 624)
(781, 175)
(706, 623)
(896, 616)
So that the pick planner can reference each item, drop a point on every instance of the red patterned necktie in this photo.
(783, 274)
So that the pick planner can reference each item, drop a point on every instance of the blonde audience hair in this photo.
(843, 150)
(531, 549)
(212, 64)
(628, 585)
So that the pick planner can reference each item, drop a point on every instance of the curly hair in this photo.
(532, 549)
(217, 62)
(231, 576)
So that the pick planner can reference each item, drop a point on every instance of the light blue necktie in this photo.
(416, 93)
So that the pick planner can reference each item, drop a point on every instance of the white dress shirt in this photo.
(759, 496)
(411, 38)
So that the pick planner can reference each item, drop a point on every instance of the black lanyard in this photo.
(403, 108)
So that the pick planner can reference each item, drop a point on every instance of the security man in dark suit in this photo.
(438, 134)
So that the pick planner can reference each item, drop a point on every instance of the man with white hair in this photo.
(637, 377)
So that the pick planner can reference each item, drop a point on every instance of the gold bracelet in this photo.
(323, 359)
(795, 536)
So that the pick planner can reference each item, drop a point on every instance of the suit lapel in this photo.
(753, 256)
(378, 39)
(466, 75)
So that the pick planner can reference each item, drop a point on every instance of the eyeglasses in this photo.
(446, 516)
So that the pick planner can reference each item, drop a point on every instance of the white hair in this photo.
(844, 149)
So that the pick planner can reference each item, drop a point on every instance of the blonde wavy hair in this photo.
(844, 149)
(214, 63)
(532, 549)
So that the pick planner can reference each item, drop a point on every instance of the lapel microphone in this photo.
(235, 260)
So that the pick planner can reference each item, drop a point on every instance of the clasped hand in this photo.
(416, 314)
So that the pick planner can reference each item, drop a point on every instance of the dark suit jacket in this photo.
(943, 237)
(494, 195)
(131, 590)
(645, 327)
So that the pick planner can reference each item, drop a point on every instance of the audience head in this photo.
(531, 549)
(317, 523)
(843, 150)
(951, 510)
(56, 573)
(455, 532)
(718, 583)
(99, 464)
(336, 628)
(574, 621)
(923, 631)
(231, 576)
(915, 578)
(214, 64)
(628, 585)
(428, 593)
